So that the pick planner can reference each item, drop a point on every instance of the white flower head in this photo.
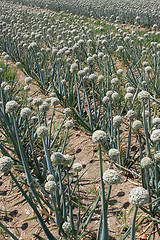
(37, 101)
(157, 156)
(67, 112)
(28, 80)
(50, 186)
(114, 153)
(69, 124)
(156, 121)
(57, 158)
(117, 120)
(66, 226)
(44, 107)
(54, 101)
(77, 167)
(139, 196)
(67, 159)
(115, 81)
(109, 93)
(11, 106)
(115, 96)
(25, 112)
(111, 176)
(42, 131)
(131, 114)
(99, 136)
(6, 163)
(105, 100)
(137, 124)
(143, 96)
(128, 97)
(146, 163)
(155, 136)
(50, 177)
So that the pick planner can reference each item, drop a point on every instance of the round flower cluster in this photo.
(37, 102)
(100, 78)
(156, 121)
(139, 196)
(155, 136)
(148, 69)
(11, 106)
(6, 163)
(25, 112)
(115, 81)
(50, 177)
(7, 88)
(111, 176)
(130, 90)
(66, 226)
(27, 88)
(42, 131)
(109, 93)
(57, 158)
(117, 120)
(50, 186)
(115, 96)
(137, 124)
(143, 96)
(157, 156)
(77, 167)
(99, 136)
(146, 163)
(54, 101)
(131, 114)
(67, 159)
(128, 97)
(28, 80)
(105, 100)
(44, 107)
(92, 77)
(67, 112)
(113, 153)
(69, 124)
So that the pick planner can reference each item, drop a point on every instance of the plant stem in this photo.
(133, 223)
(104, 231)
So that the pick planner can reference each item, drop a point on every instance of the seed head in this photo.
(25, 112)
(66, 227)
(42, 132)
(99, 136)
(69, 124)
(143, 96)
(37, 102)
(137, 125)
(146, 163)
(117, 120)
(6, 163)
(11, 106)
(139, 196)
(113, 153)
(57, 158)
(50, 186)
(131, 114)
(155, 136)
(77, 167)
(111, 176)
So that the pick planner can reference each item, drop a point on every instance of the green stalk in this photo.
(44, 227)
(133, 223)
(7, 231)
(104, 231)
